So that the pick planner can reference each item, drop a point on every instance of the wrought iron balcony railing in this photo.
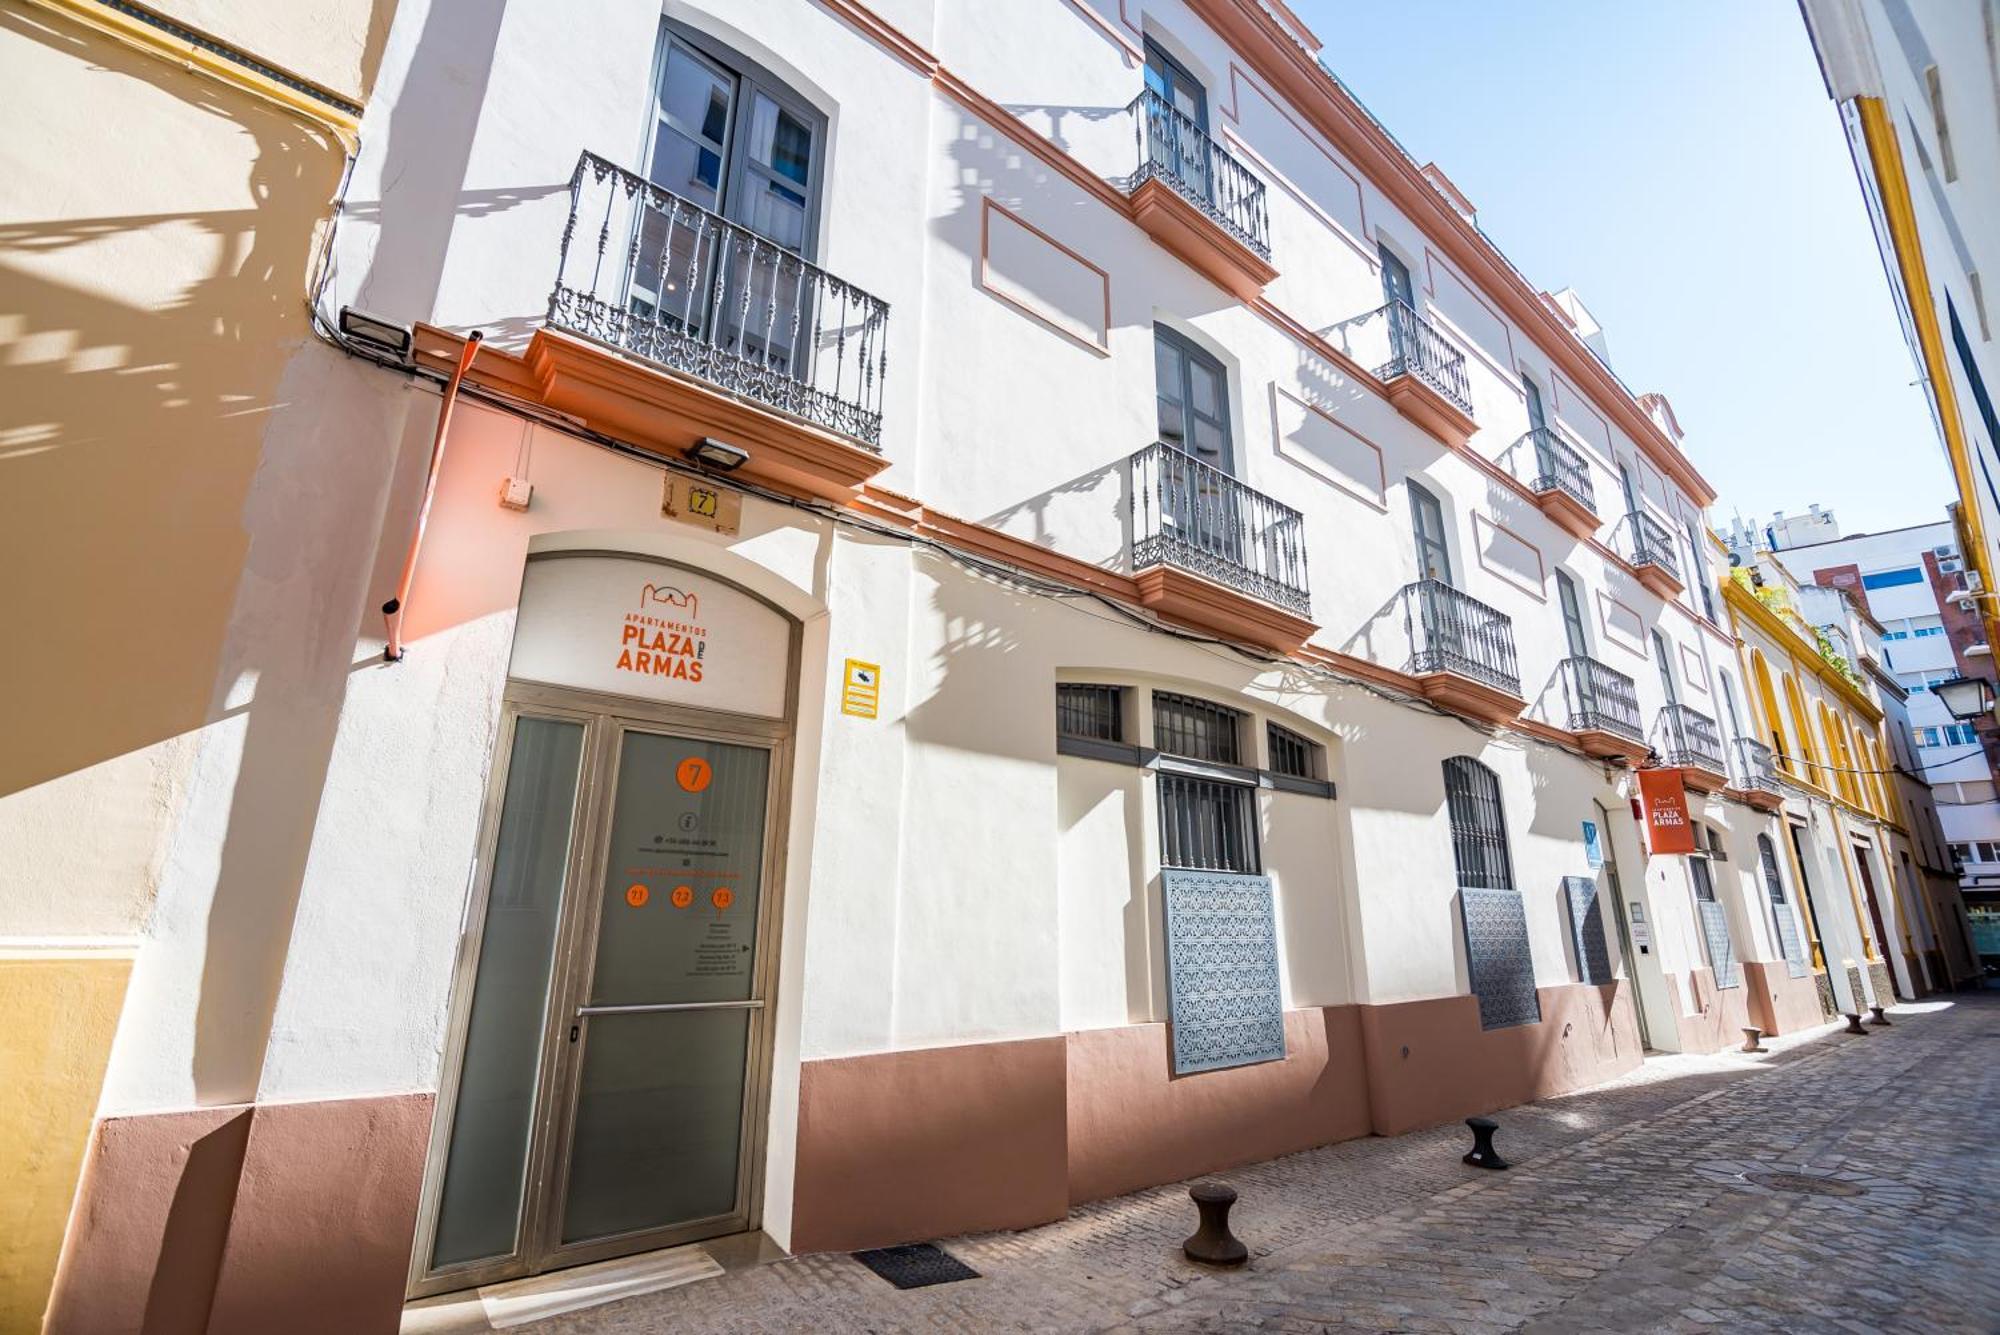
(1195, 517)
(1756, 767)
(1648, 543)
(1180, 153)
(666, 280)
(1559, 467)
(1601, 699)
(1454, 632)
(1687, 739)
(1394, 340)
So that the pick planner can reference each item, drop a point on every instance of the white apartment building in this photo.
(1907, 579)
(1919, 98)
(979, 609)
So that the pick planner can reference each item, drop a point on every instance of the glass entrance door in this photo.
(667, 1024)
(607, 1087)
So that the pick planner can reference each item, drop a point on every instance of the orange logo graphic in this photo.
(722, 898)
(636, 895)
(683, 896)
(671, 597)
(693, 774)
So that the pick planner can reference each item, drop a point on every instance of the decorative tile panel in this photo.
(1223, 994)
(1721, 949)
(1586, 929)
(1497, 956)
(1788, 941)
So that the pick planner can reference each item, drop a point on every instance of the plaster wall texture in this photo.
(337, 45)
(61, 1008)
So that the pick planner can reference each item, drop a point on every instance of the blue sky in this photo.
(1680, 165)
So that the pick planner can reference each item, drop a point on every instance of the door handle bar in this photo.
(653, 1007)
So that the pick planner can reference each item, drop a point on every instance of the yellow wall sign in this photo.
(860, 688)
(693, 501)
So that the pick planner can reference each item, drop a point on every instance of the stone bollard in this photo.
(1853, 1024)
(1213, 1243)
(1876, 1017)
(1483, 1154)
(1753, 1039)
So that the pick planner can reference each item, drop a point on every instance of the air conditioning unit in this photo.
(1950, 565)
(1943, 551)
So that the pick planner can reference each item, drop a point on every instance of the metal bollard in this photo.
(1753, 1039)
(1853, 1024)
(1212, 1243)
(1483, 1154)
(1876, 1017)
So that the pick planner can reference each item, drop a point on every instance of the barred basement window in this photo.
(1095, 712)
(1206, 825)
(1185, 726)
(1291, 754)
(1478, 834)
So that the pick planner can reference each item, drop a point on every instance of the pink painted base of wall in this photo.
(1133, 1124)
(1724, 1011)
(928, 1142)
(1777, 1002)
(291, 1216)
(901, 1146)
(1429, 1061)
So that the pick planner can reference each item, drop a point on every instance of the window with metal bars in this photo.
(1185, 726)
(1290, 753)
(1478, 832)
(1207, 825)
(1094, 712)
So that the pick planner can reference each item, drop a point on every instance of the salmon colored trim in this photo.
(1249, 29)
(988, 207)
(1378, 500)
(1311, 137)
(885, 35)
(1253, 31)
(1437, 415)
(1188, 598)
(1479, 554)
(1186, 231)
(1316, 345)
(1568, 513)
(1096, 20)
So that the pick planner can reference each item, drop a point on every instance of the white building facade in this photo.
(998, 613)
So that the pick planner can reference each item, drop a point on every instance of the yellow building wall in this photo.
(60, 1009)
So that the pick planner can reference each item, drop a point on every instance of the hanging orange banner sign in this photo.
(1664, 798)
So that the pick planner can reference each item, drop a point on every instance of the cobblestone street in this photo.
(1628, 1209)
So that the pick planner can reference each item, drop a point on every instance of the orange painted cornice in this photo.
(1261, 40)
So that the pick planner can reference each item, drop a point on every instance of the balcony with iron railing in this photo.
(1209, 549)
(695, 297)
(1193, 197)
(1461, 651)
(1689, 741)
(1561, 481)
(1421, 369)
(1648, 547)
(1602, 709)
(1754, 776)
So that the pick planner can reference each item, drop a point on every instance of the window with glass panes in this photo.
(1208, 824)
(1093, 712)
(1478, 831)
(1290, 753)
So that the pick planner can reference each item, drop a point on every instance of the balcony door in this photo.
(1179, 135)
(1198, 504)
(734, 143)
(1572, 610)
(1664, 653)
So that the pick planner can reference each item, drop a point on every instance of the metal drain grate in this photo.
(1805, 1183)
(917, 1265)
(1846, 1187)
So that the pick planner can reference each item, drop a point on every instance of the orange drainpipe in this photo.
(393, 610)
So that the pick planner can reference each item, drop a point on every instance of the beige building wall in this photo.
(157, 224)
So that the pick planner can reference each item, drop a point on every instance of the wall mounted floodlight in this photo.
(1966, 698)
(374, 332)
(718, 454)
